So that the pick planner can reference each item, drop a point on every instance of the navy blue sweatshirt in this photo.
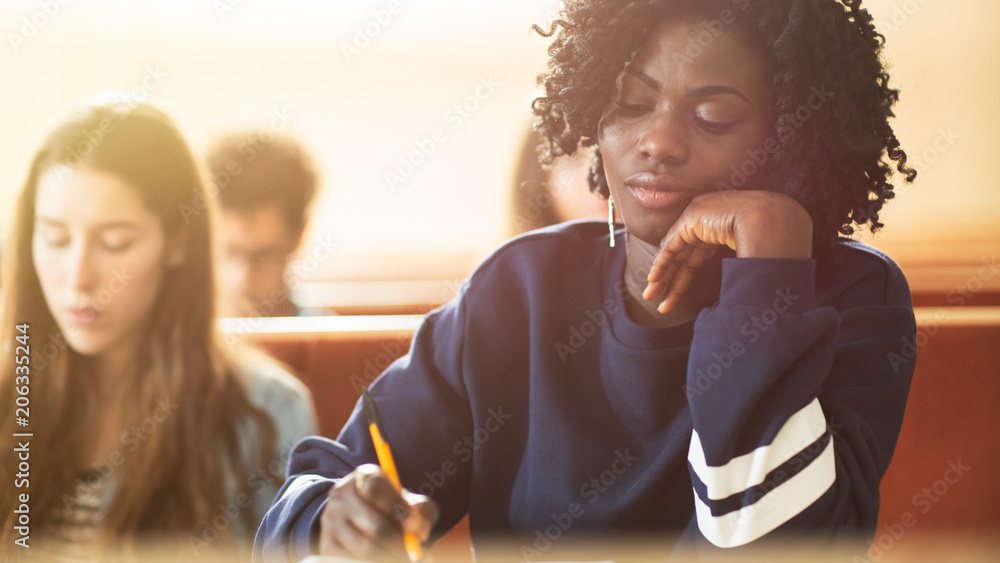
(533, 403)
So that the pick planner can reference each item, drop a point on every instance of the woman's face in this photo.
(100, 256)
(681, 123)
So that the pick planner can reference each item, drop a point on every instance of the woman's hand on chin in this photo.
(756, 224)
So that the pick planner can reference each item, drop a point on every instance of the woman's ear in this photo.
(175, 251)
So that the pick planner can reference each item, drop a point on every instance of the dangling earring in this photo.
(611, 219)
(599, 183)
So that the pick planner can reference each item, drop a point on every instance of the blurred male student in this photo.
(266, 185)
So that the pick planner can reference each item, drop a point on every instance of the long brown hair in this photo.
(178, 475)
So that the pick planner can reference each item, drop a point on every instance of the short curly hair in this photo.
(838, 162)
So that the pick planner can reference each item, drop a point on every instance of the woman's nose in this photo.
(664, 140)
(83, 271)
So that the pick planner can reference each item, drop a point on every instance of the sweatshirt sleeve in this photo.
(426, 381)
(796, 407)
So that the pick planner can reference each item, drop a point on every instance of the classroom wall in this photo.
(365, 84)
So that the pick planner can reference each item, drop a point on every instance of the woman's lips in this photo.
(658, 191)
(82, 315)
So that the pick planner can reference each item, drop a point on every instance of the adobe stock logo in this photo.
(591, 491)
(901, 14)
(789, 124)
(32, 25)
(464, 450)
(704, 377)
(426, 146)
(923, 501)
(711, 29)
(365, 34)
(578, 335)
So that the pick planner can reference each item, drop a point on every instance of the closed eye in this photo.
(52, 236)
(117, 246)
(631, 108)
(715, 127)
(55, 240)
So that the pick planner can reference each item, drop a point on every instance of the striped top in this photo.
(75, 526)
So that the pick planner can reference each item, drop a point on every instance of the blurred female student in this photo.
(544, 195)
(719, 370)
(143, 428)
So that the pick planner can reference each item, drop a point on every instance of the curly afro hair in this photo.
(838, 162)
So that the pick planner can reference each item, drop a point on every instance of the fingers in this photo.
(665, 266)
(682, 280)
(678, 276)
(374, 487)
(678, 286)
(673, 249)
(699, 232)
(423, 515)
(363, 517)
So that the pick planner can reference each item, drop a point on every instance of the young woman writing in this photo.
(721, 373)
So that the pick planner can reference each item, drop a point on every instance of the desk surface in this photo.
(295, 327)
(907, 549)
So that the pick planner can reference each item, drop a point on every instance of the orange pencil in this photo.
(384, 454)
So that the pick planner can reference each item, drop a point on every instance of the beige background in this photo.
(360, 114)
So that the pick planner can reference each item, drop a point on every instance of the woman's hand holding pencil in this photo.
(369, 514)
(366, 517)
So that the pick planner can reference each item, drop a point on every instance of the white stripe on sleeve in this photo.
(749, 470)
(303, 481)
(773, 509)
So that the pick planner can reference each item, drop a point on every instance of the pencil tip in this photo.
(368, 404)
